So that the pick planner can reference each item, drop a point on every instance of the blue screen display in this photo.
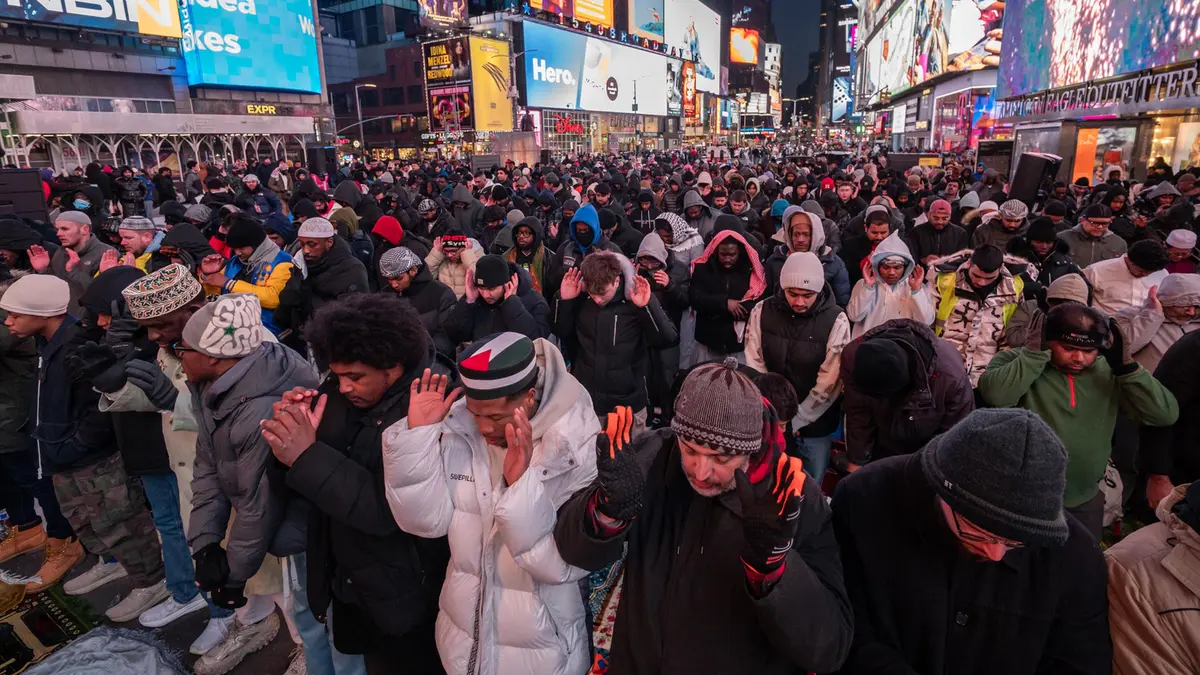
(261, 44)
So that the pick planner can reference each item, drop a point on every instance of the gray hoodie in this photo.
(833, 236)
(708, 216)
(1086, 249)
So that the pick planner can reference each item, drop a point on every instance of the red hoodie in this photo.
(390, 229)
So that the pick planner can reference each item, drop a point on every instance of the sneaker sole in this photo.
(254, 645)
(195, 605)
(95, 584)
(151, 602)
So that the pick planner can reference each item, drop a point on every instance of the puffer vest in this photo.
(793, 345)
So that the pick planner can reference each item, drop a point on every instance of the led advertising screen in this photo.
(263, 45)
(843, 102)
(646, 19)
(674, 87)
(573, 71)
(974, 31)
(884, 65)
(593, 11)
(159, 18)
(489, 84)
(872, 13)
(693, 31)
(743, 46)
(447, 61)
(1050, 44)
(450, 108)
(441, 13)
(689, 90)
(749, 14)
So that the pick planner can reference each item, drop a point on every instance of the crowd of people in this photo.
(821, 413)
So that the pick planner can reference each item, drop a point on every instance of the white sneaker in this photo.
(138, 601)
(96, 577)
(241, 641)
(214, 632)
(298, 666)
(168, 610)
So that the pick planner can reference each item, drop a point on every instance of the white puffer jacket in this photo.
(510, 604)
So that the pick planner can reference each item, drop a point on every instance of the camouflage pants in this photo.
(107, 508)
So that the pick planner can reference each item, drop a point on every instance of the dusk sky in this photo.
(796, 27)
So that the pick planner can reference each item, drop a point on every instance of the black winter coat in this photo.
(1171, 451)
(922, 604)
(795, 345)
(923, 240)
(626, 238)
(610, 345)
(526, 313)
(642, 220)
(334, 275)
(1053, 266)
(70, 430)
(387, 581)
(712, 286)
(434, 302)
(686, 606)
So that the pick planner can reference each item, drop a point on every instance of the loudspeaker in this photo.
(21, 194)
(545, 157)
(1033, 169)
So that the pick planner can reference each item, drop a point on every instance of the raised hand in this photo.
(109, 260)
(72, 258)
(770, 514)
(293, 429)
(1152, 301)
(572, 284)
(519, 438)
(916, 278)
(641, 292)
(662, 278)
(428, 402)
(472, 291)
(510, 288)
(868, 271)
(39, 259)
(212, 264)
(622, 481)
(128, 259)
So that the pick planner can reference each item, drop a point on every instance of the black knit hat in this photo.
(245, 231)
(497, 366)
(1055, 208)
(305, 209)
(1005, 470)
(880, 367)
(1041, 229)
(492, 271)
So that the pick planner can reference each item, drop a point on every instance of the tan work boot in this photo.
(22, 541)
(61, 556)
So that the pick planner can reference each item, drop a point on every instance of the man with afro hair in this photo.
(382, 582)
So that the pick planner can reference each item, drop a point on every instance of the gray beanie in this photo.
(230, 327)
(803, 271)
(720, 408)
(1005, 470)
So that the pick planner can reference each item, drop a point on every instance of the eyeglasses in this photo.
(978, 538)
(179, 347)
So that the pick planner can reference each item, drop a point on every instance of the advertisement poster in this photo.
(569, 70)
(646, 19)
(743, 46)
(593, 11)
(889, 55)
(674, 87)
(489, 84)
(442, 13)
(689, 90)
(975, 30)
(159, 18)
(872, 13)
(693, 33)
(447, 61)
(450, 108)
(842, 103)
(1187, 146)
(271, 45)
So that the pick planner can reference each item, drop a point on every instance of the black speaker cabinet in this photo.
(21, 194)
(1033, 170)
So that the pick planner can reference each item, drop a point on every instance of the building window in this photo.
(369, 98)
(417, 68)
(373, 25)
(392, 72)
(416, 95)
(345, 26)
(341, 102)
(393, 96)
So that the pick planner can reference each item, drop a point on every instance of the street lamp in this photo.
(358, 106)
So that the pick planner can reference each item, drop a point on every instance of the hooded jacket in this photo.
(925, 240)
(454, 275)
(571, 254)
(706, 222)
(937, 395)
(510, 603)
(234, 469)
(526, 312)
(673, 298)
(1086, 249)
(992, 231)
(686, 242)
(265, 274)
(685, 586)
(1053, 266)
(613, 342)
(334, 275)
(18, 370)
(1148, 331)
(1152, 574)
(464, 216)
(386, 234)
(535, 262)
(833, 236)
(835, 268)
(871, 306)
(713, 286)
(434, 302)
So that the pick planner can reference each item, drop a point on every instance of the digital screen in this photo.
(593, 11)
(872, 13)
(450, 108)
(694, 32)
(743, 45)
(843, 102)
(447, 61)
(263, 45)
(646, 19)
(974, 31)
(573, 71)
(147, 17)
(441, 13)
(489, 84)
(674, 87)
(888, 56)
(749, 14)
(1050, 44)
(689, 90)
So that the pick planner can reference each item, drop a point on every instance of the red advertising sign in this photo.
(689, 89)
(565, 125)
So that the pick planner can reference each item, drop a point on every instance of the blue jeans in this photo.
(814, 451)
(163, 492)
(321, 657)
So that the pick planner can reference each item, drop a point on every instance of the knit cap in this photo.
(396, 261)
(1072, 287)
(199, 213)
(426, 207)
(1042, 229)
(245, 232)
(250, 178)
(77, 217)
(317, 228)
(454, 240)
(720, 408)
(1181, 239)
(137, 224)
(803, 271)
(1005, 470)
(492, 271)
(37, 295)
(162, 292)
(1055, 208)
(230, 327)
(497, 366)
(881, 367)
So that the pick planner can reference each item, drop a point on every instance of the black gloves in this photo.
(621, 478)
(1117, 354)
(770, 513)
(121, 329)
(232, 596)
(101, 366)
(150, 378)
(212, 567)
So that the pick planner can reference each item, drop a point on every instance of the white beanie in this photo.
(37, 295)
(1181, 239)
(316, 228)
(803, 271)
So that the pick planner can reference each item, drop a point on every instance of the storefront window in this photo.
(963, 119)
(1177, 140)
(1096, 149)
(567, 132)
(1044, 139)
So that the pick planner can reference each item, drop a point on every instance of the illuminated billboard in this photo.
(264, 45)
(689, 90)
(159, 18)
(693, 33)
(646, 19)
(592, 11)
(447, 61)
(489, 84)
(441, 13)
(743, 46)
(1050, 44)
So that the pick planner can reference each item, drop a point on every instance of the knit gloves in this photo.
(770, 515)
(1117, 354)
(621, 479)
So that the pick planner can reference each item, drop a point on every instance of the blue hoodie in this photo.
(586, 214)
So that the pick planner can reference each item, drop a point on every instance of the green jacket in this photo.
(1082, 408)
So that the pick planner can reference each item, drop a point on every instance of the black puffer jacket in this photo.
(434, 302)
(1053, 266)
(611, 344)
(334, 275)
(386, 581)
(18, 367)
(526, 313)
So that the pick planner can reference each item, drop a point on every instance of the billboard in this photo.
(593, 11)
(159, 18)
(442, 13)
(689, 90)
(974, 30)
(872, 13)
(743, 46)
(843, 101)
(646, 19)
(887, 56)
(1050, 44)
(489, 84)
(450, 108)
(749, 14)
(693, 33)
(674, 87)
(574, 71)
(265, 45)
(447, 61)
